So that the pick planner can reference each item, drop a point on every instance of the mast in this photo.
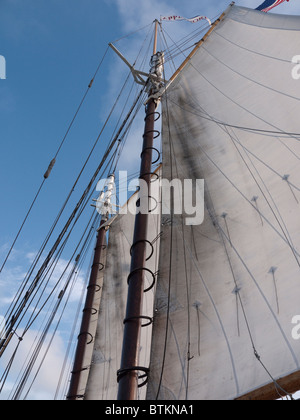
(130, 369)
(85, 337)
(219, 316)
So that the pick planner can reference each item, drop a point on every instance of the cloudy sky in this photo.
(52, 48)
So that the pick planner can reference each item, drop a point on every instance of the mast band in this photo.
(122, 372)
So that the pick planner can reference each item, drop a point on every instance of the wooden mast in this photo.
(85, 336)
(155, 37)
(130, 369)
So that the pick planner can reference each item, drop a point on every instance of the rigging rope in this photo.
(258, 357)
(52, 163)
(283, 228)
(282, 133)
(170, 266)
(248, 78)
(85, 238)
(127, 122)
(55, 253)
(278, 130)
(12, 319)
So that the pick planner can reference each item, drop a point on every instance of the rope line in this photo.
(46, 176)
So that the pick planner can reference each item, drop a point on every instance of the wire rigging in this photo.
(52, 163)
(281, 223)
(41, 280)
(69, 284)
(286, 236)
(249, 78)
(33, 297)
(24, 302)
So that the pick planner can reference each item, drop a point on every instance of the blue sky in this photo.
(52, 49)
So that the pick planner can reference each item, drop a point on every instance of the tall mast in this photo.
(155, 38)
(85, 337)
(130, 369)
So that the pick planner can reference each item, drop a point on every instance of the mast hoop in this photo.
(140, 317)
(96, 286)
(143, 269)
(153, 113)
(93, 311)
(156, 150)
(87, 333)
(138, 203)
(101, 265)
(156, 204)
(141, 241)
(153, 174)
(125, 371)
(78, 396)
(156, 133)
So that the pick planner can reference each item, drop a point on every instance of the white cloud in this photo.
(136, 13)
(13, 275)
(44, 387)
(47, 379)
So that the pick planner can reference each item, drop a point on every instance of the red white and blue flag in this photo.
(270, 4)
(192, 20)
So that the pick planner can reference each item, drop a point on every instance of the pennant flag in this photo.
(270, 4)
(192, 20)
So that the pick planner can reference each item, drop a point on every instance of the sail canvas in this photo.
(230, 287)
(205, 304)
(107, 345)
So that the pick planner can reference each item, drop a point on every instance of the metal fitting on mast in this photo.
(153, 81)
(103, 203)
(156, 81)
(128, 374)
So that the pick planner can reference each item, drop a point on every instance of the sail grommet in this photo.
(143, 269)
(148, 318)
(141, 241)
(125, 371)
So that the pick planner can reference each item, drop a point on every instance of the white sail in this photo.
(229, 288)
(102, 381)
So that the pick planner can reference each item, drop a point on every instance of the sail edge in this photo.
(290, 384)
